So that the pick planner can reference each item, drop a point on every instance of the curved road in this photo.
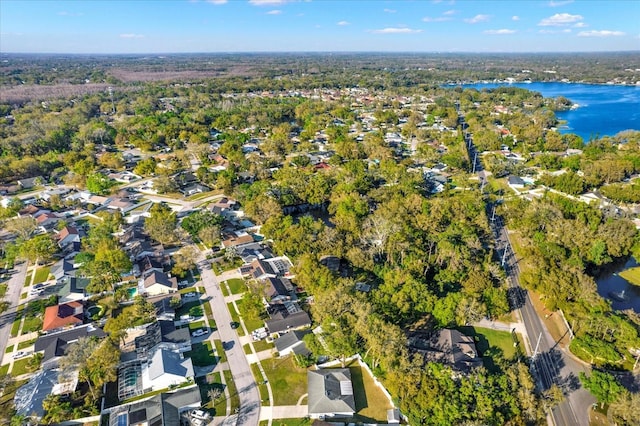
(249, 413)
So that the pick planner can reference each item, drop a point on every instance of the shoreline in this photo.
(509, 83)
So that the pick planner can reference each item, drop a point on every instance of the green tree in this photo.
(161, 225)
(41, 247)
(602, 385)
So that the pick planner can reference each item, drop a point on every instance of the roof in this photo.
(515, 180)
(61, 268)
(167, 362)
(290, 339)
(171, 334)
(65, 314)
(160, 410)
(54, 345)
(66, 231)
(160, 278)
(274, 288)
(285, 322)
(330, 391)
(454, 348)
(29, 397)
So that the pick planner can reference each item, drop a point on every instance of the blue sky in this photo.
(167, 26)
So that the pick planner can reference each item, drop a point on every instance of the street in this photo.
(12, 296)
(249, 412)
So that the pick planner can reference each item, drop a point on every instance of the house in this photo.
(195, 188)
(162, 334)
(292, 343)
(139, 249)
(330, 393)
(166, 368)
(261, 269)
(157, 283)
(164, 409)
(147, 265)
(515, 182)
(29, 397)
(68, 235)
(282, 321)
(62, 271)
(275, 290)
(54, 345)
(73, 289)
(31, 182)
(237, 238)
(164, 310)
(47, 220)
(62, 316)
(454, 349)
(393, 416)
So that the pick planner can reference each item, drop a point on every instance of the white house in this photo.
(166, 368)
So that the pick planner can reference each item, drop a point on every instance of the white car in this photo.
(199, 414)
(199, 332)
(19, 354)
(190, 294)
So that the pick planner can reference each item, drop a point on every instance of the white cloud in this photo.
(600, 33)
(560, 19)
(515, 18)
(396, 30)
(390, 10)
(131, 35)
(217, 1)
(580, 25)
(267, 2)
(500, 32)
(438, 19)
(553, 3)
(274, 12)
(343, 23)
(450, 12)
(477, 18)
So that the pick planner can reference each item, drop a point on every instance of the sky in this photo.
(174, 26)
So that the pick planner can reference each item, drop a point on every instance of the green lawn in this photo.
(207, 383)
(15, 328)
(202, 354)
(196, 325)
(288, 381)
(31, 324)
(632, 275)
(259, 346)
(23, 296)
(4, 369)
(262, 387)
(220, 351)
(186, 307)
(26, 344)
(20, 367)
(8, 349)
(236, 286)
(233, 392)
(492, 344)
(3, 290)
(371, 402)
(224, 289)
(41, 275)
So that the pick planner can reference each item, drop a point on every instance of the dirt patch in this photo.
(552, 320)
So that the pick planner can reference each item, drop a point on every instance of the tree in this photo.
(199, 220)
(97, 183)
(161, 225)
(625, 410)
(55, 409)
(22, 226)
(602, 385)
(40, 247)
(184, 260)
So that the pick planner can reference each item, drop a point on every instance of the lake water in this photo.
(604, 110)
(610, 282)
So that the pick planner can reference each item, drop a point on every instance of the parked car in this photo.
(191, 294)
(199, 414)
(38, 286)
(19, 354)
(199, 332)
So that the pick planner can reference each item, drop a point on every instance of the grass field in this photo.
(220, 351)
(3, 290)
(233, 391)
(288, 381)
(202, 354)
(262, 387)
(288, 422)
(8, 349)
(20, 367)
(212, 382)
(41, 275)
(632, 275)
(236, 286)
(4, 369)
(31, 324)
(26, 344)
(371, 402)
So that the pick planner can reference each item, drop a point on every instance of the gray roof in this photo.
(62, 268)
(29, 397)
(167, 362)
(160, 278)
(454, 348)
(160, 410)
(280, 322)
(171, 334)
(330, 391)
(290, 339)
(54, 344)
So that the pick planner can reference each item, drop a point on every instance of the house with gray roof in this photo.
(330, 393)
(292, 343)
(54, 345)
(166, 368)
(165, 409)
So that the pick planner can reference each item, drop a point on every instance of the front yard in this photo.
(288, 381)
(202, 354)
(371, 403)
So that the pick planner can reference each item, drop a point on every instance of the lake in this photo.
(604, 109)
(610, 282)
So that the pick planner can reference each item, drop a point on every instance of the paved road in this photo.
(550, 364)
(13, 297)
(249, 413)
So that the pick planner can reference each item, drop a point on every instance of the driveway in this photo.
(249, 412)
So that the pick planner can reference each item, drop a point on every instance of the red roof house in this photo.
(63, 315)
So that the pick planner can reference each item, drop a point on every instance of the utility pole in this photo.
(113, 107)
(475, 157)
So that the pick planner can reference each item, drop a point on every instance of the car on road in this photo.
(199, 332)
(227, 345)
(191, 294)
(38, 286)
(19, 354)
(235, 324)
(36, 292)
